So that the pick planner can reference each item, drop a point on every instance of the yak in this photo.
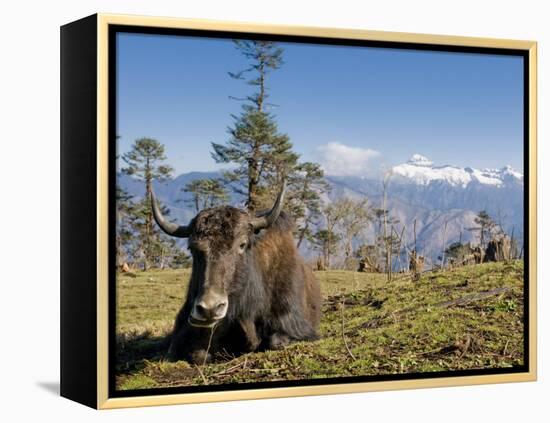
(249, 288)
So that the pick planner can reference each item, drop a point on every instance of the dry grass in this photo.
(389, 328)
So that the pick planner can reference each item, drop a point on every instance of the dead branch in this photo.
(274, 370)
(472, 298)
(505, 348)
(458, 348)
(205, 381)
(377, 321)
(233, 368)
(343, 332)
(209, 345)
(443, 247)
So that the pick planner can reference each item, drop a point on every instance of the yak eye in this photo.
(242, 246)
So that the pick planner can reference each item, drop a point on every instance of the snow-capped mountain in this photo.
(417, 190)
(421, 171)
(498, 191)
(433, 195)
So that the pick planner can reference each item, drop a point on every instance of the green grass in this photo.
(388, 328)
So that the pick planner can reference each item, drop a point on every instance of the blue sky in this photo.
(375, 107)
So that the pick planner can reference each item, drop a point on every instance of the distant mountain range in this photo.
(417, 190)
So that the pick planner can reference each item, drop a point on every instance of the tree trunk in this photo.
(443, 247)
(387, 241)
(302, 233)
(196, 200)
(148, 225)
(262, 88)
(253, 180)
(306, 221)
(162, 256)
(254, 161)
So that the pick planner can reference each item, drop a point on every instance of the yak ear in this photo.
(252, 234)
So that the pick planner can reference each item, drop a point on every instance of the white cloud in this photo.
(342, 160)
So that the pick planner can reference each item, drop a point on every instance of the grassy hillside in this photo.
(468, 318)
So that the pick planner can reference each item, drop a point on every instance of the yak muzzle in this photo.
(208, 310)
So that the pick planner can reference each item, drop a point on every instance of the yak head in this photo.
(219, 239)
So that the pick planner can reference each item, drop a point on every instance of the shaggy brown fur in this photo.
(273, 297)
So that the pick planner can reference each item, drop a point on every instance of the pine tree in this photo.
(125, 212)
(457, 252)
(206, 193)
(327, 244)
(146, 162)
(181, 260)
(263, 155)
(485, 226)
(367, 254)
(305, 183)
(168, 254)
(156, 250)
(333, 216)
(355, 216)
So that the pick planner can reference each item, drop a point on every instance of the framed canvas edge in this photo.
(103, 22)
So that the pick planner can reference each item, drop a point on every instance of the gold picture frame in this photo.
(93, 34)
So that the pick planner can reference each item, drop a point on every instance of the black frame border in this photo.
(78, 211)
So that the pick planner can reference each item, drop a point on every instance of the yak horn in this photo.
(266, 221)
(168, 227)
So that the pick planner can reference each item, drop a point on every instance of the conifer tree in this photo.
(327, 244)
(306, 183)
(263, 154)
(145, 161)
(206, 193)
(485, 226)
(125, 212)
